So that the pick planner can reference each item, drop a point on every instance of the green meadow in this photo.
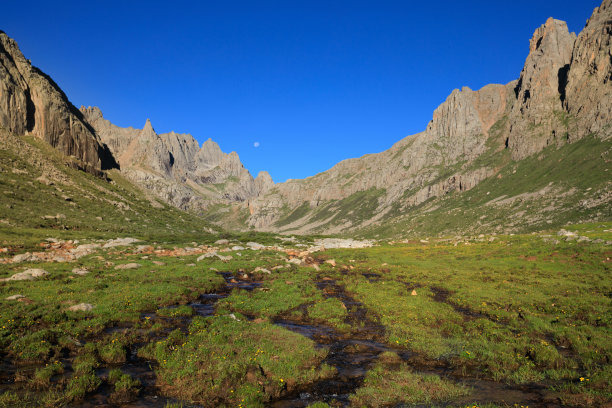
(424, 323)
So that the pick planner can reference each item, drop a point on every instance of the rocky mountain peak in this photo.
(147, 131)
(210, 154)
(588, 93)
(553, 37)
(550, 52)
(535, 118)
(91, 112)
(460, 124)
(263, 182)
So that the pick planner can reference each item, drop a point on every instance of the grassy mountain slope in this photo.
(43, 197)
(548, 190)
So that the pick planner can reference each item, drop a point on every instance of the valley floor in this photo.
(489, 321)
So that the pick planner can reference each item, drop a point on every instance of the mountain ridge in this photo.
(562, 96)
(527, 115)
(175, 167)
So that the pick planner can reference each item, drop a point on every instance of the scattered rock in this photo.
(120, 242)
(207, 255)
(191, 264)
(130, 265)
(15, 297)
(62, 258)
(83, 250)
(26, 257)
(263, 270)
(160, 263)
(83, 307)
(568, 234)
(44, 180)
(212, 255)
(296, 261)
(237, 248)
(332, 262)
(413, 293)
(143, 248)
(255, 246)
(28, 274)
(80, 271)
(340, 243)
(222, 242)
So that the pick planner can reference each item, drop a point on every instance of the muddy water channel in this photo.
(352, 353)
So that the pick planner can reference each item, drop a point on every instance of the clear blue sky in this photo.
(314, 82)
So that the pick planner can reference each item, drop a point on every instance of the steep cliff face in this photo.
(563, 94)
(588, 90)
(116, 138)
(31, 102)
(175, 167)
(537, 116)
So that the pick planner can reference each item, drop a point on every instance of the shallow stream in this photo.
(352, 354)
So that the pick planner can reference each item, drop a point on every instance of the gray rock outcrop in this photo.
(81, 307)
(28, 274)
(537, 115)
(30, 102)
(588, 91)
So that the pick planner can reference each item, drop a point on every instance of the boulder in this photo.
(207, 255)
(80, 271)
(130, 265)
(120, 242)
(28, 274)
(26, 257)
(15, 297)
(81, 307)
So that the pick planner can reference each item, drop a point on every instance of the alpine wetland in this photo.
(468, 265)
